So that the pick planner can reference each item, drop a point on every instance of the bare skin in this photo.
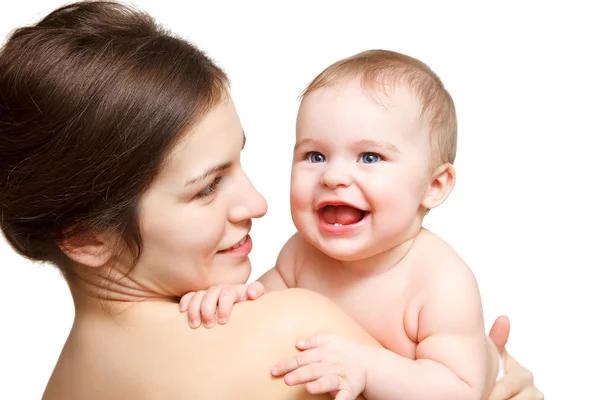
(415, 308)
(363, 178)
(400, 282)
(147, 351)
(128, 339)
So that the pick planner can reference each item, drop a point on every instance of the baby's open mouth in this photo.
(341, 215)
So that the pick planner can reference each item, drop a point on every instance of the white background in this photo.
(524, 213)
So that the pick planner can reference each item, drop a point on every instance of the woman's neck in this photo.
(108, 289)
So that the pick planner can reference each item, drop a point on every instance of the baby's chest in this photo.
(388, 317)
(387, 310)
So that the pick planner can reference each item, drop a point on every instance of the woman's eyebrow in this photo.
(208, 172)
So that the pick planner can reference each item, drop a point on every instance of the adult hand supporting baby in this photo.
(517, 383)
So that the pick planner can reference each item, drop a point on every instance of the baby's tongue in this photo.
(343, 215)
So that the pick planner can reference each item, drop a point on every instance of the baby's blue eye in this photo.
(369, 158)
(316, 157)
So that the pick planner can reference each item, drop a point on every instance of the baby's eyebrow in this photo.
(304, 142)
(376, 143)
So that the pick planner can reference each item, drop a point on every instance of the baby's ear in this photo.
(442, 183)
(92, 250)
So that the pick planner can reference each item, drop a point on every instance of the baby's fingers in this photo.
(227, 298)
(345, 395)
(184, 302)
(255, 290)
(329, 383)
(208, 308)
(306, 374)
(193, 308)
(297, 361)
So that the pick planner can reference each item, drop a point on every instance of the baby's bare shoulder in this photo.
(440, 269)
(436, 253)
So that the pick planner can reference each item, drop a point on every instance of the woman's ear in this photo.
(89, 250)
(442, 183)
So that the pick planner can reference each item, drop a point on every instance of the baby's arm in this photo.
(454, 360)
(282, 275)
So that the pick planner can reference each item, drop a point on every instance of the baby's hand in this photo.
(327, 364)
(202, 305)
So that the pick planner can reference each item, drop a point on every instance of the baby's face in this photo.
(360, 171)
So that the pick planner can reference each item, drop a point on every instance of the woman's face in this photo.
(196, 216)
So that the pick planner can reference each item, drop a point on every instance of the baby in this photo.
(375, 144)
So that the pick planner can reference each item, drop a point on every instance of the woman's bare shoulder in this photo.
(160, 356)
(263, 332)
(234, 360)
(266, 330)
(295, 313)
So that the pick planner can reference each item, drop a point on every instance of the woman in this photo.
(120, 164)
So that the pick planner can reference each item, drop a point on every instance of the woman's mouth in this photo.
(240, 249)
(238, 244)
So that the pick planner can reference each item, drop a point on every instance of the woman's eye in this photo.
(315, 157)
(207, 191)
(370, 158)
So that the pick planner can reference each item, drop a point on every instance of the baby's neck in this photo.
(381, 262)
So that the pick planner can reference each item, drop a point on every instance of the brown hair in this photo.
(92, 98)
(376, 68)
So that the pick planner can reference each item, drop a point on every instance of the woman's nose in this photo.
(250, 204)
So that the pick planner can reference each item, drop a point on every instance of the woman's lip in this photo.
(242, 250)
(238, 244)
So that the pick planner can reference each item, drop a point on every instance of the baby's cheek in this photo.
(397, 205)
(300, 193)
